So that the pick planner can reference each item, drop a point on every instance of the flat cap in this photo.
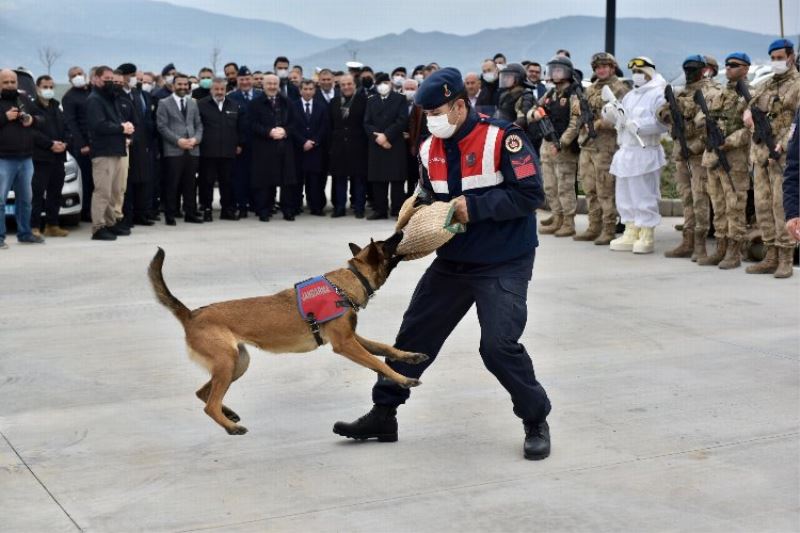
(439, 87)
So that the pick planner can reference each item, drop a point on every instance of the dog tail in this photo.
(163, 294)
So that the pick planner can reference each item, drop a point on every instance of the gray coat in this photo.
(172, 126)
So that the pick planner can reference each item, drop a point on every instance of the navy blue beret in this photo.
(440, 87)
(694, 58)
(739, 56)
(165, 70)
(780, 43)
(243, 71)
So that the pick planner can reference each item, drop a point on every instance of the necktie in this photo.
(308, 110)
(183, 107)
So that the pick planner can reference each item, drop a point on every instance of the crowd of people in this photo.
(150, 143)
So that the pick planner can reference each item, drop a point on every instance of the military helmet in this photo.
(603, 58)
(513, 70)
(562, 63)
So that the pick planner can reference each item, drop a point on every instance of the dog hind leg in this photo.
(242, 363)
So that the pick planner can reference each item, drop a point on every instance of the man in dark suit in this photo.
(348, 148)
(385, 121)
(222, 129)
(181, 130)
(138, 192)
(74, 105)
(534, 81)
(287, 89)
(271, 118)
(326, 90)
(310, 133)
(242, 96)
(417, 131)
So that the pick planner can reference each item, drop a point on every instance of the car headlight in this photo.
(70, 170)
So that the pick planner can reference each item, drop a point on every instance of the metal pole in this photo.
(780, 11)
(611, 23)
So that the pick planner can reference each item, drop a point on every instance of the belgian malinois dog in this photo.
(216, 334)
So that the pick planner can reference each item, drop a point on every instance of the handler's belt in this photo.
(320, 301)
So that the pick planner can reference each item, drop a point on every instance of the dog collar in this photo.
(364, 282)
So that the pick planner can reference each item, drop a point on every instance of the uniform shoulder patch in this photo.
(513, 143)
(523, 166)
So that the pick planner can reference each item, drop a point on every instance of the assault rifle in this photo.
(587, 117)
(678, 125)
(622, 122)
(714, 136)
(763, 129)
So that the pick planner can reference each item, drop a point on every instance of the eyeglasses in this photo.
(734, 65)
(638, 62)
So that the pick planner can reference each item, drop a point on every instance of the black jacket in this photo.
(221, 129)
(74, 105)
(388, 116)
(15, 139)
(273, 161)
(51, 129)
(105, 125)
(348, 141)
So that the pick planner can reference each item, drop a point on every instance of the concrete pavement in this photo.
(674, 390)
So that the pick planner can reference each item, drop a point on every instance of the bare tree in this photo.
(48, 56)
(216, 53)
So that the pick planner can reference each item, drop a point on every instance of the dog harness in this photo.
(320, 301)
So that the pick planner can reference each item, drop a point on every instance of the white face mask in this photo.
(440, 127)
(639, 79)
(194, 86)
(489, 77)
(419, 78)
(384, 89)
(410, 95)
(147, 87)
(398, 80)
(78, 82)
(282, 73)
(779, 67)
(501, 66)
(132, 83)
(47, 94)
(169, 79)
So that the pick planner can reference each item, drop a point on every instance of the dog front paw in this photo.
(236, 430)
(411, 382)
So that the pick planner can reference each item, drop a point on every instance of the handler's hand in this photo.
(462, 213)
(793, 227)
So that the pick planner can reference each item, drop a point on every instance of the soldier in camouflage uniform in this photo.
(596, 154)
(691, 176)
(559, 166)
(779, 97)
(728, 190)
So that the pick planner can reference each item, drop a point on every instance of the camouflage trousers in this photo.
(558, 172)
(683, 180)
(598, 185)
(729, 199)
(768, 188)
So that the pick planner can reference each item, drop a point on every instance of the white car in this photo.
(72, 192)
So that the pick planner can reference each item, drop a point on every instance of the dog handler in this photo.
(491, 170)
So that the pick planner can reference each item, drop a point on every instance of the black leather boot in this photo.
(537, 440)
(379, 423)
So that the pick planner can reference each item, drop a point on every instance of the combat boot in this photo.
(55, 231)
(591, 233)
(699, 246)
(554, 227)
(785, 256)
(733, 256)
(537, 440)
(719, 253)
(685, 248)
(608, 234)
(548, 221)
(380, 423)
(646, 241)
(768, 265)
(567, 228)
(629, 237)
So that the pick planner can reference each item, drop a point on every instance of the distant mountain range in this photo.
(152, 34)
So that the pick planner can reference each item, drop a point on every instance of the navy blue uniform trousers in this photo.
(439, 302)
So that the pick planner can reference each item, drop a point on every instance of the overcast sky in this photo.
(363, 19)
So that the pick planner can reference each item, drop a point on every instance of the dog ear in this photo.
(374, 255)
(354, 248)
